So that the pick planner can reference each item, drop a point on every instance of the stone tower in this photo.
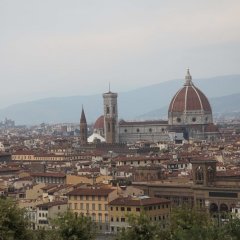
(83, 128)
(110, 117)
(204, 172)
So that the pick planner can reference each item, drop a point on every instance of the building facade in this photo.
(92, 202)
(156, 209)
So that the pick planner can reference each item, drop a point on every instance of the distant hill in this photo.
(131, 104)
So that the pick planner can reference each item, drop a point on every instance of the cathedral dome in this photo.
(99, 124)
(189, 104)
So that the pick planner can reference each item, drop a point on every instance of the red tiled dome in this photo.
(189, 98)
(99, 124)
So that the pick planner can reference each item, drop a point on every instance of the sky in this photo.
(54, 48)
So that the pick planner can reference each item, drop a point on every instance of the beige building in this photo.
(48, 211)
(92, 202)
(157, 209)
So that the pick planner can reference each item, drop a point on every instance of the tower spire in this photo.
(188, 78)
(83, 128)
(83, 117)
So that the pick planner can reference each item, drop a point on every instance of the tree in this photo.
(13, 224)
(232, 229)
(141, 228)
(70, 226)
(188, 223)
(185, 223)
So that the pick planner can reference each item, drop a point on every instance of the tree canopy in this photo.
(185, 223)
(13, 224)
(70, 226)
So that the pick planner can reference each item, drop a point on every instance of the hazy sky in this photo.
(71, 47)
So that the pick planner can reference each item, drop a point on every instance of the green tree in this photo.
(141, 228)
(69, 226)
(188, 223)
(232, 229)
(13, 224)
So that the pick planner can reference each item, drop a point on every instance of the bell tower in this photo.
(83, 128)
(204, 172)
(110, 117)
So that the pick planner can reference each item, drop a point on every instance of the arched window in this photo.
(210, 174)
(223, 207)
(199, 174)
(109, 127)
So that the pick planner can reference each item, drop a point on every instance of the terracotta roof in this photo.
(52, 174)
(124, 123)
(99, 124)
(90, 192)
(189, 98)
(51, 204)
(138, 202)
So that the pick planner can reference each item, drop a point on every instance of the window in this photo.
(138, 130)
(137, 209)
(100, 217)
(178, 120)
(122, 219)
(87, 198)
(99, 198)
(129, 209)
(81, 197)
(116, 208)
(105, 198)
(199, 174)
(87, 206)
(150, 130)
(105, 207)
(81, 206)
(108, 110)
(122, 209)
(100, 207)
(125, 130)
(93, 198)
(193, 119)
(75, 205)
(93, 206)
